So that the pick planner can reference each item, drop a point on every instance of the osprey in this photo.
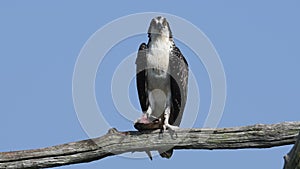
(162, 79)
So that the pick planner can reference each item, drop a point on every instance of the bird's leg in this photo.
(166, 117)
(149, 115)
(166, 122)
(162, 128)
(172, 129)
(148, 112)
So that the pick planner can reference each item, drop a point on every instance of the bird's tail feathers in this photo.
(166, 154)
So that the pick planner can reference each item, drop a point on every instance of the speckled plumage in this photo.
(162, 79)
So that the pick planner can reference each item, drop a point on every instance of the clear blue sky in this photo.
(258, 43)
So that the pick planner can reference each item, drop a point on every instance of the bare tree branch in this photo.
(114, 142)
(292, 159)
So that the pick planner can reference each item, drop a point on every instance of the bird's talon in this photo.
(172, 132)
(160, 134)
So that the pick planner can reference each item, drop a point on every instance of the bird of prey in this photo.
(162, 79)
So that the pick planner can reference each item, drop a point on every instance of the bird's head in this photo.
(160, 26)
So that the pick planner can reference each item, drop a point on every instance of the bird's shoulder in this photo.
(141, 55)
(176, 54)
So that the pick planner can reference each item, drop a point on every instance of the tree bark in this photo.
(292, 159)
(114, 142)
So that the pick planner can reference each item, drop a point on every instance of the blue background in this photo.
(258, 43)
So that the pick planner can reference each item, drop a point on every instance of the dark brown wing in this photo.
(141, 77)
(179, 81)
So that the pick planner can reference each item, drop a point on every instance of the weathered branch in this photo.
(256, 136)
(292, 159)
